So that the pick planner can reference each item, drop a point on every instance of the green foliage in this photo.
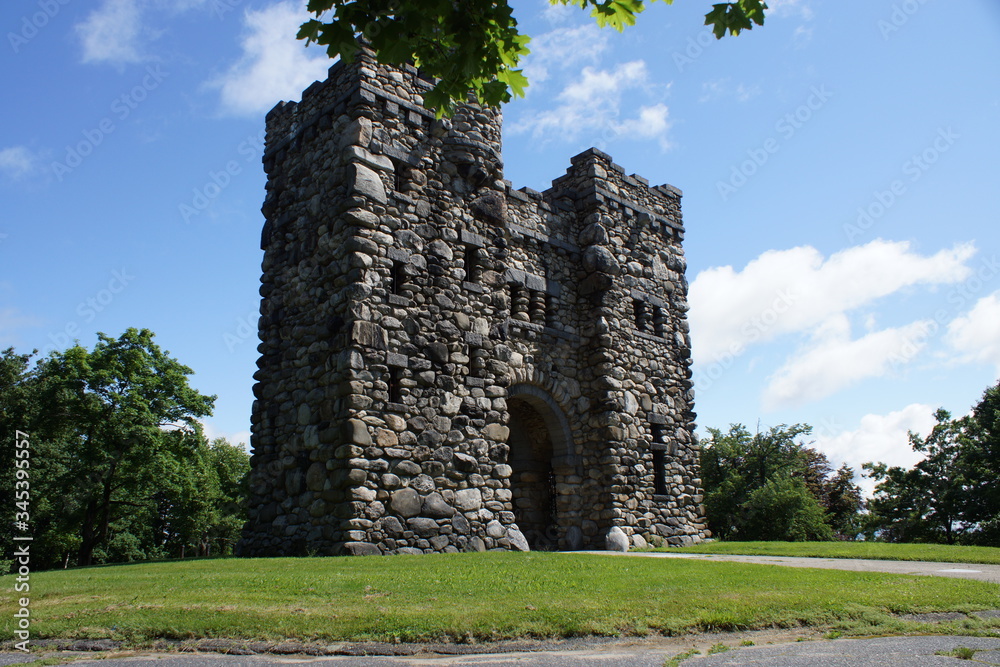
(120, 470)
(951, 495)
(473, 45)
(768, 486)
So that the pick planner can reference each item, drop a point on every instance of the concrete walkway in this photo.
(896, 651)
(977, 571)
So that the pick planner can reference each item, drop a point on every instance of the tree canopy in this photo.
(951, 495)
(120, 468)
(770, 486)
(472, 45)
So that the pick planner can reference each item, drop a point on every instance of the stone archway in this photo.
(540, 455)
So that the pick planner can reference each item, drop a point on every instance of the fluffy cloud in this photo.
(110, 34)
(798, 290)
(720, 88)
(976, 336)
(234, 437)
(563, 48)
(879, 438)
(834, 361)
(275, 65)
(799, 8)
(17, 162)
(591, 104)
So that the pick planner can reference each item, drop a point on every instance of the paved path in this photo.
(895, 651)
(959, 570)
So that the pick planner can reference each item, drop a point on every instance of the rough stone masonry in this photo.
(450, 364)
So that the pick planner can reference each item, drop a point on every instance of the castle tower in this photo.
(449, 364)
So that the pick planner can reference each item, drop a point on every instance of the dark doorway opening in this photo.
(533, 482)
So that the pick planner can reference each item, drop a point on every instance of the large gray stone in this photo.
(616, 540)
(436, 508)
(406, 502)
(574, 538)
(367, 183)
(517, 539)
(600, 259)
(468, 500)
(423, 526)
(495, 529)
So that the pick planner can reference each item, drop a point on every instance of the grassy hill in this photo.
(472, 596)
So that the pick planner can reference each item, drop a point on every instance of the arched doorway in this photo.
(539, 443)
(532, 483)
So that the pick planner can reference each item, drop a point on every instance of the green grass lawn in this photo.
(473, 596)
(940, 553)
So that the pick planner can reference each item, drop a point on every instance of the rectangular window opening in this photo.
(659, 472)
(395, 394)
(399, 176)
(639, 311)
(472, 266)
(396, 277)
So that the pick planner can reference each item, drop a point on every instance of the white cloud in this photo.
(834, 361)
(799, 8)
(234, 437)
(720, 88)
(592, 104)
(111, 33)
(563, 48)
(275, 65)
(879, 438)
(976, 336)
(17, 162)
(798, 290)
(557, 12)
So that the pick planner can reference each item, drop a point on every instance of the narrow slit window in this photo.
(659, 472)
(472, 267)
(639, 311)
(395, 395)
(396, 277)
(399, 176)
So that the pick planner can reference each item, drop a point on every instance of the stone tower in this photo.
(449, 364)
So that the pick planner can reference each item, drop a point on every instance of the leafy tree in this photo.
(844, 504)
(471, 45)
(105, 424)
(770, 486)
(951, 495)
(120, 469)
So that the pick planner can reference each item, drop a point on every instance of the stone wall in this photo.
(449, 364)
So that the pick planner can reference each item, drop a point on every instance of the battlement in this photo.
(449, 363)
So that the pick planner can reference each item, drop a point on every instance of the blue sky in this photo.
(838, 168)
